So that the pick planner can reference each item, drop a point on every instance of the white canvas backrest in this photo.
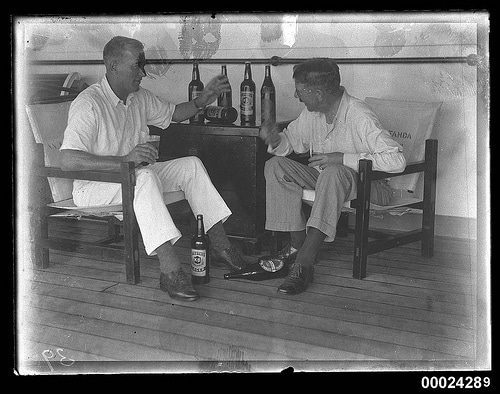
(410, 123)
(48, 122)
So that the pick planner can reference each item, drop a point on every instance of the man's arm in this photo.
(214, 88)
(77, 160)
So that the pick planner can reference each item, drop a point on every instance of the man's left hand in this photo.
(323, 160)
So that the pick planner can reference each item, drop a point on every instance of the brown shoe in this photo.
(229, 257)
(178, 285)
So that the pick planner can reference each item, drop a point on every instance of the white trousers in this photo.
(187, 174)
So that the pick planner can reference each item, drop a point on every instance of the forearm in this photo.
(392, 162)
(76, 160)
(186, 110)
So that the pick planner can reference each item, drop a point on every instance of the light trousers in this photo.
(187, 174)
(335, 185)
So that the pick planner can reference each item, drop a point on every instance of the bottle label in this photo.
(198, 262)
(214, 112)
(271, 265)
(247, 99)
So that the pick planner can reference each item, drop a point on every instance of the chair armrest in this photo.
(431, 146)
(411, 168)
(98, 176)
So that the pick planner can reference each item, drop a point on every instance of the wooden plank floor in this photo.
(409, 313)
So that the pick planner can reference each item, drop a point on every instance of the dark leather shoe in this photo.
(229, 257)
(283, 257)
(178, 285)
(297, 279)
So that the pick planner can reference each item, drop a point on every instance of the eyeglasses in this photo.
(302, 92)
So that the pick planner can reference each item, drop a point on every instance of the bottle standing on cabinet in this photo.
(247, 97)
(221, 115)
(200, 255)
(194, 89)
(260, 271)
(225, 99)
(268, 98)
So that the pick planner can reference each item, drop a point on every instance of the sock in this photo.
(309, 250)
(297, 239)
(169, 261)
(218, 237)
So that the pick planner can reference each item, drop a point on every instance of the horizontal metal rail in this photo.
(471, 60)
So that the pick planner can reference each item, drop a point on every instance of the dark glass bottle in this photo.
(200, 256)
(247, 97)
(259, 271)
(194, 89)
(225, 99)
(268, 98)
(222, 115)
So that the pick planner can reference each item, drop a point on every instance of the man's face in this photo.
(307, 96)
(131, 70)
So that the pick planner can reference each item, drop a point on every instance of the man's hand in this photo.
(213, 89)
(269, 132)
(142, 153)
(323, 160)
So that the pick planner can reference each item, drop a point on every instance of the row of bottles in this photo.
(224, 111)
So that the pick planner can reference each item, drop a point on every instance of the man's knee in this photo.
(145, 175)
(274, 165)
(338, 171)
(194, 166)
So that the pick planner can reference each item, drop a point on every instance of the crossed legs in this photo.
(285, 180)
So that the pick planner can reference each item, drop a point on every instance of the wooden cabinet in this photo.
(234, 157)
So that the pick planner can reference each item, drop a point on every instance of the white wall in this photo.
(302, 36)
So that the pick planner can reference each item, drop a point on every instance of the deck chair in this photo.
(410, 124)
(48, 122)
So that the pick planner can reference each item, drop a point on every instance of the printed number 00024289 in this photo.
(452, 382)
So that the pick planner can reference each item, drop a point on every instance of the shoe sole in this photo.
(179, 298)
(282, 291)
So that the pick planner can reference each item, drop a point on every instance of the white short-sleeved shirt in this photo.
(355, 131)
(101, 124)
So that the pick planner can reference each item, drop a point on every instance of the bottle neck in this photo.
(196, 73)
(201, 229)
(224, 71)
(248, 71)
(268, 72)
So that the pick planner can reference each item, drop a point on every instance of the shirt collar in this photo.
(342, 110)
(110, 95)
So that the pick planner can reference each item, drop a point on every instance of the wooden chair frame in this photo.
(126, 177)
(362, 247)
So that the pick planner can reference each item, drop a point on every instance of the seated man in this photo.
(107, 125)
(337, 130)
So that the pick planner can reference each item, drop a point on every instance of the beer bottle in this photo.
(259, 271)
(268, 98)
(200, 256)
(194, 89)
(225, 99)
(222, 115)
(247, 97)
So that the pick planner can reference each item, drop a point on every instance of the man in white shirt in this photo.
(337, 130)
(108, 124)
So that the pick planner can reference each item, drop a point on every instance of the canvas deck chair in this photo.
(410, 124)
(48, 122)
